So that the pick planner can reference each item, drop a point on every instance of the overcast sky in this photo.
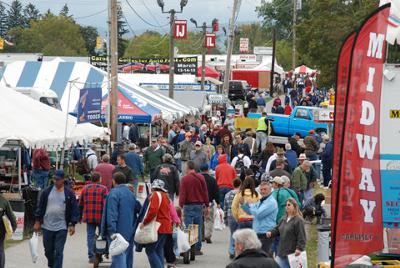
(201, 10)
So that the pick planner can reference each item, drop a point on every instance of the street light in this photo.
(172, 13)
(203, 52)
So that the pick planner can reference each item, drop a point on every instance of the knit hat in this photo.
(59, 174)
(158, 184)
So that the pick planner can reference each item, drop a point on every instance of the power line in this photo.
(151, 13)
(140, 17)
(129, 26)
(92, 15)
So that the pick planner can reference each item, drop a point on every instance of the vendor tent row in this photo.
(138, 105)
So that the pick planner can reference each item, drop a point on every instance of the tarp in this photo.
(37, 125)
(55, 75)
(304, 70)
(209, 72)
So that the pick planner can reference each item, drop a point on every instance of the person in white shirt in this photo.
(92, 158)
(241, 156)
(280, 153)
(125, 131)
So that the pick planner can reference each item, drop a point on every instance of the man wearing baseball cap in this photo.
(198, 156)
(281, 195)
(57, 214)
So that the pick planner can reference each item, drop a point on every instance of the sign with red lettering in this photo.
(342, 79)
(358, 226)
(210, 41)
(180, 29)
(244, 45)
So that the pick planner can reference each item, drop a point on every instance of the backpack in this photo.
(239, 166)
(82, 167)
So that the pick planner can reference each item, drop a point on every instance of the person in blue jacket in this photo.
(214, 158)
(326, 159)
(119, 216)
(264, 212)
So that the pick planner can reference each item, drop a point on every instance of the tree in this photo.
(31, 13)
(149, 44)
(65, 11)
(122, 30)
(3, 20)
(52, 36)
(15, 17)
(257, 35)
(89, 34)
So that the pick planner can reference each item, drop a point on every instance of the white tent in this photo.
(267, 67)
(304, 70)
(37, 125)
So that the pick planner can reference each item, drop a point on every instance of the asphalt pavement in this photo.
(75, 253)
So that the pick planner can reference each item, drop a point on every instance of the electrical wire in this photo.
(91, 15)
(141, 18)
(129, 26)
(151, 14)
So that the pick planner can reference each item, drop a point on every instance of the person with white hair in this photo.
(291, 156)
(248, 251)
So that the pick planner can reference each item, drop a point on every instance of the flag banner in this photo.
(358, 226)
(342, 80)
(89, 105)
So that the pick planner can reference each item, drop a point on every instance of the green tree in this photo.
(284, 54)
(149, 44)
(89, 34)
(65, 11)
(15, 16)
(257, 35)
(31, 13)
(52, 36)
(122, 30)
(3, 20)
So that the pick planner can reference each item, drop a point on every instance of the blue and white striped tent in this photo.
(56, 74)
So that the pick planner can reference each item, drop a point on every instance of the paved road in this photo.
(75, 254)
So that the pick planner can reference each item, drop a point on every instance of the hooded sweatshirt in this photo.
(238, 213)
(224, 173)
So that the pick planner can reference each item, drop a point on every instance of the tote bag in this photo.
(149, 233)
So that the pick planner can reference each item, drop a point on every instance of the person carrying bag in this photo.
(7, 226)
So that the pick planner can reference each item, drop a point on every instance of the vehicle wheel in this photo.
(186, 257)
(96, 261)
(193, 253)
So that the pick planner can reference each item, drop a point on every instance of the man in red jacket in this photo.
(193, 198)
(224, 174)
(41, 167)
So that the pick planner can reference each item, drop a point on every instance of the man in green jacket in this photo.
(281, 195)
(299, 179)
(5, 209)
(153, 156)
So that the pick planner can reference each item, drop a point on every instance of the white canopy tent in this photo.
(266, 66)
(35, 124)
(304, 70)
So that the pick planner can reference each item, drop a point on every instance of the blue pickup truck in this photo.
(301, 120)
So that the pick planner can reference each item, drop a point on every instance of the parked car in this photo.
(152, 67)
(301, 120)
(238, 89)
(132, 67)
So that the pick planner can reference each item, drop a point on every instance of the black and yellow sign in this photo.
(395, 114)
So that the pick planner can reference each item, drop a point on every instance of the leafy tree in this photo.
(3, 20)
(52, 36)
(48, 14)
(31, 13)
(89, 34)
(15, 16)
(122, 30)
(148, 44)
(258, 36)
(284, 54)
(65, 11)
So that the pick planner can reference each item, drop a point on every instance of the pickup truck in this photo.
(301, 120)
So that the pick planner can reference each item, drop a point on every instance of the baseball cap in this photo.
(278, 180)
(153, 139)
(280, 151)
(59, 174)
(158, 184)
(302, 157)
(198, 143)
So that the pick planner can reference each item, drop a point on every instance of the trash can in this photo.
(324, 233)
(18, 207)
(30, 195)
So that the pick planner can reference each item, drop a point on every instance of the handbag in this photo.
(7, 227)
(298, 261)
(149, 233)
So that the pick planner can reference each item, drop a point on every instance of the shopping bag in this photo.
(7, 227)
(33, 246)
(149, 233)
(182, 241)
(118, 245)
(298, 261)
(219, 220)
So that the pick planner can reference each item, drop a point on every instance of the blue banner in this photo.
(89, 105)
(390, 195)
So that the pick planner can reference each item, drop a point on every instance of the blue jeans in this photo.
(232, 227)
(155, 252)
(90, 233)
(283, 262)
(222, 192)
(245, 225)
(119, 261)
(40, 178)
(194, 215)
(53, 243)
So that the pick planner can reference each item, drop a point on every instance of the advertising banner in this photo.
(89, 105)
(244, 45)
(340, 104)
(358, 226)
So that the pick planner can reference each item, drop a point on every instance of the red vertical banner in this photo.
(342, 81)
(180, 29)
(358, 226)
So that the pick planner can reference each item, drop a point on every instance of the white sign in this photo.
(244, 45)
(263, 50)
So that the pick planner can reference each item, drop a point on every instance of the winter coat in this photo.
(237, 211)
(224, 173)
(253, 258)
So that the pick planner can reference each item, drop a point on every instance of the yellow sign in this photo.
(99, 42)
(394, 113)
(1, 43)
(242, 122)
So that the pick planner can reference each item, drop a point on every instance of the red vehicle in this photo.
(152, 67)
(132, 67)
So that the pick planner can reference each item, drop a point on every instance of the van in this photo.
(238, 89)
(46, 96)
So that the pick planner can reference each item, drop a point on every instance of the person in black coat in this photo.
(327, 158)
(295, 145)
(248, 251)
(169, 173)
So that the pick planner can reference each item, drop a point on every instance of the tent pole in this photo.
(19, 169)
(66, 125)
(150, 135)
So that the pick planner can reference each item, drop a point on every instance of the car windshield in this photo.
(53, 102)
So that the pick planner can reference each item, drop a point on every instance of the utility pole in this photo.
(114, 69)
(172, 13)
(294, 34)
(171, 54)
(271, 83)
(231, 39)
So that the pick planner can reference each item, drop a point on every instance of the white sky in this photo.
(201, 10)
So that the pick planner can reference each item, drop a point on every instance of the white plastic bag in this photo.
(118, 245)
(298, 261)
(33, 246)
(219, 220)
(182, 241)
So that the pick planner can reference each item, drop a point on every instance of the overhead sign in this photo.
(89, 105)
(244, 45)
(210, 41)
(179, 86)
(180, 29)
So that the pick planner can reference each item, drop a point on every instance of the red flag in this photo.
(358, 227)
(342, 80)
